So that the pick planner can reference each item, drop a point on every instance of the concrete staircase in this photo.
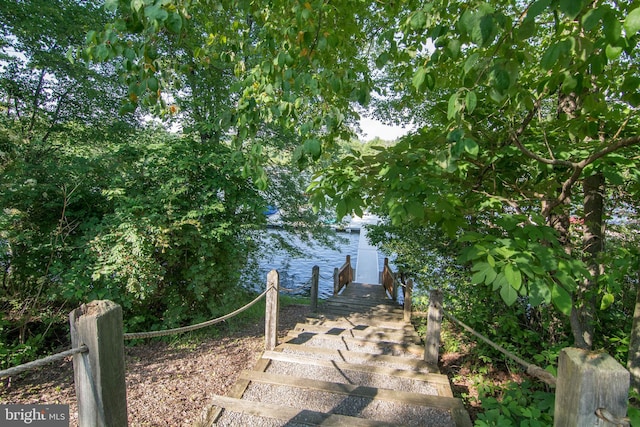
(355, 363)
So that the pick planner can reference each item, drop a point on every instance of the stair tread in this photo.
(353, 373)
(373, 393)
(373, 333)
(396, 362)
(251, 413)
(355, 344)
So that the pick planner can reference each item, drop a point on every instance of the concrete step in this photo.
(394, 362)
(353, 373)
(392, 348)
(397, 407)
(379, 320)
(240, 412)
(365, 332)
(345, 322)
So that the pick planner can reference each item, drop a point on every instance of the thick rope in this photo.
(533, 370)
(42, 362)
(154, 334)
(296, 288)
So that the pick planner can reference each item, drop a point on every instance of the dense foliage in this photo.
(98, 202)
(518, 186)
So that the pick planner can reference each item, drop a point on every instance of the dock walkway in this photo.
(367, 268)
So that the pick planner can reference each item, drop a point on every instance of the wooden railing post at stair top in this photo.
(434, 321)
(342, 276)
(271, 311)
(315, 279)
(388, 280)
(408, 291)
(99, 374)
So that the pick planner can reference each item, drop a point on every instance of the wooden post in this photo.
(315, 278)
(395, 287)
(271, 311)
(98, 374)
(349, 270)
(591, 386)
(336, 280)
(434, 320)
(408, 291)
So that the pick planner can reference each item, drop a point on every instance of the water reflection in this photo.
(295, 272)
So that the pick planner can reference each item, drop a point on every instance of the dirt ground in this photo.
(167, 384)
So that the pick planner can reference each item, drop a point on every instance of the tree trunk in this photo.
(633, 361)
(584, 308)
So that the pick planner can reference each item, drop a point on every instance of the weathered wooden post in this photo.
(315, 278)
(408, 291)
(99, 374)
(395, 288)
(591, 389)
(434, 321)
(349, 270)
(271, 311)
(336, 280)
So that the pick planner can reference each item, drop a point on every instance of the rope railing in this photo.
(531, 369)
(191, 328)
(305, 285)
(15, 370)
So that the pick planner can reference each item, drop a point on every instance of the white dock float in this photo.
(367, 268)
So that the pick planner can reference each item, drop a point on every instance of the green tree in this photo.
(528, 116)
(520, 107)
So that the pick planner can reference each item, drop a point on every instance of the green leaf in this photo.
(591, 18)
(539, 293)
(382, 59)
(152, 84)
(111, 5)
(418, 77)
(613, 52)
(632, 22)
(491, 260)
(478, 277)
(607, 300)
(526, 29)
(471, 100)
(471, 147)
(418, 20)
(501, 79)
(513, 275)
(415, 209)
(154, 11)
(313, 148)
(537, 8)
(453, 106)
(491, 276)
(550, 56)
(341, 209)
(471, 62)
(561, 299)
(571, 8)
(508, 294)
(174, 23)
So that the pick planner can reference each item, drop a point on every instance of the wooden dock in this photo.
(367, 268)
(354, 363)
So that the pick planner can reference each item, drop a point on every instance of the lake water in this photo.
(295, 272)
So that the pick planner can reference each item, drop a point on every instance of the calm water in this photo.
(295, 273)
